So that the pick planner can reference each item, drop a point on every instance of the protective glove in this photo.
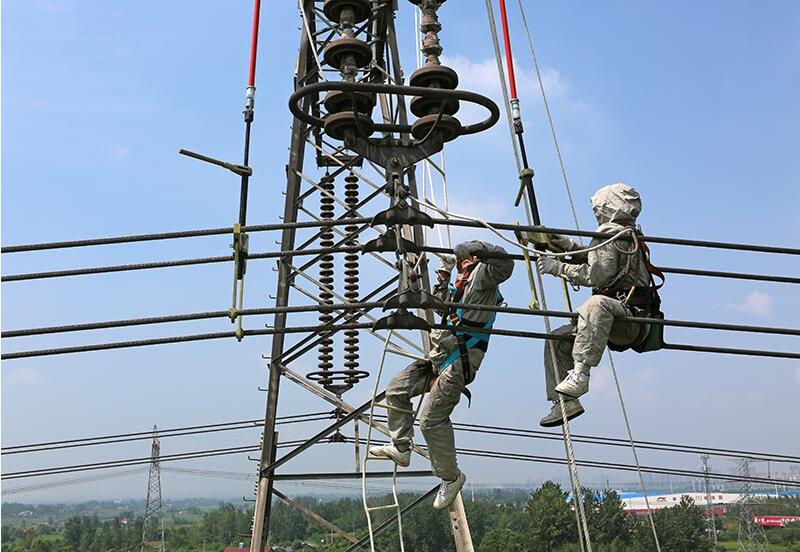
(548, 265)
(560, 244)
(463, 251)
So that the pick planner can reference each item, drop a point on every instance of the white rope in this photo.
(583, 528)
(533, 251)
(635, 453)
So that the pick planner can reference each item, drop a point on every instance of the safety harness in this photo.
(643, 301)
(467, 339)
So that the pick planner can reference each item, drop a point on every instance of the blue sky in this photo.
(692, 103)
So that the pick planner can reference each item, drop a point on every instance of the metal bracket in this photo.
(387, 243)
(240, 170)
(402, 213)
(525, 183)
(401, 320)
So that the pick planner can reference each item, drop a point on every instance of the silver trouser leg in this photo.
(596, 325)
(564, 361)
(407, 384)
(435, 417)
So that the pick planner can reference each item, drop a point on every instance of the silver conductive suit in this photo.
(619, 274)
(482, 268)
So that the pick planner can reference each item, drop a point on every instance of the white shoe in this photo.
(574, 385)
(572, 407)
(391, 452)
(448, 491)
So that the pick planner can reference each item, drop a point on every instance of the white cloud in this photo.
(482, 77)
(756, 302)
(26, 376)
(119, 152)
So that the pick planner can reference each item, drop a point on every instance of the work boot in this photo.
(391, 452)
(573, 408)
(448, 491)
(574, 385)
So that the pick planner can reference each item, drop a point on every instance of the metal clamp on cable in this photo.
(525, 182)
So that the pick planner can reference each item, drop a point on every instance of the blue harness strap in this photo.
(474, 337)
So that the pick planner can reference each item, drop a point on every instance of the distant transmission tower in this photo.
(711, 524)
(153, 513)
(751, 536)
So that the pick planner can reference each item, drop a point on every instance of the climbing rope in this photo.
(571, 201)
(583, 529)
(635, 453)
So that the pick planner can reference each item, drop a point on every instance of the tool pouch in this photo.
(654, 339)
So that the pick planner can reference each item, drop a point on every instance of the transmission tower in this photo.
(711, 523)
(153, 524)
(751, 536)
(348, 66)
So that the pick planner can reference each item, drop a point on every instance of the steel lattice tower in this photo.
(348, 66)
(153, 512)
(751, 536)
(711, 524)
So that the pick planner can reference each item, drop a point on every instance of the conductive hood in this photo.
(617, 203)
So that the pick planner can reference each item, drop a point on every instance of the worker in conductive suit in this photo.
(456, 354)
(621, 278)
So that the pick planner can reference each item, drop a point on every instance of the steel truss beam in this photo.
(313, 517)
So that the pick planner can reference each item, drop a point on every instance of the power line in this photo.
(206, 453)
(338, 249)
(365, 220)
(175, 432)
(465, 427)
(358, 326)
(481, 453)
(185, 317)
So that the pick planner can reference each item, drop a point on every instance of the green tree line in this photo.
(500, 521)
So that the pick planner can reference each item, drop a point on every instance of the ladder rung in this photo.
(385, 507)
